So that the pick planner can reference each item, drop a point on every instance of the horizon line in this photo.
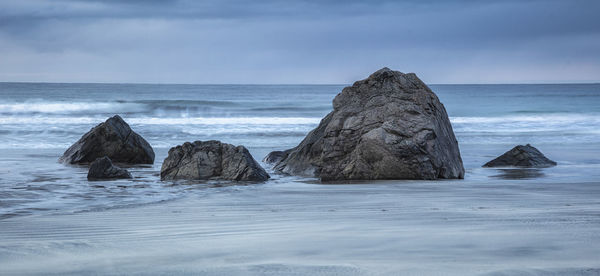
(291, 84)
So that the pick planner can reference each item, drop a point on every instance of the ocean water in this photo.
(52, 220)
(38, 121)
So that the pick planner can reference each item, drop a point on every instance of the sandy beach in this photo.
(303, 228)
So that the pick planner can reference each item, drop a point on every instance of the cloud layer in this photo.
(299, 41)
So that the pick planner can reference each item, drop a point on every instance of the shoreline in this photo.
(296, 228)
(73, 193)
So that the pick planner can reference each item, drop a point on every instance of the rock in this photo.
(388, 126)
(275, 156)
(114, 139)
(211, 160)
(522, 156)
(103, 169)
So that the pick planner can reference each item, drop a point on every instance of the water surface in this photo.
(500, 221)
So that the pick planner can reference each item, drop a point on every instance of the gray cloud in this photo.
(302, 41)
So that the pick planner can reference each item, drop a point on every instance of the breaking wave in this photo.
(69, 107)
(578, 123)
(164, 121)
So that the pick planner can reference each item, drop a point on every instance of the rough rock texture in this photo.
(388, 126)
(276, 156)
(211, 160)
(103, 168)
(522, 156)
(113, 138)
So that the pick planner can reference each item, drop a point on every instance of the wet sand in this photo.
(285, 227)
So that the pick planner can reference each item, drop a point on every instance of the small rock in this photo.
(114, 139)
(211, 160)
(522, 156)
(103, 169)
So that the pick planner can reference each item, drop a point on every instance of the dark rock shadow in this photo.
(208, 183)
(520, 173)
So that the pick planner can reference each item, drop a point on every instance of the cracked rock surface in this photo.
(211, 160)
(388, 126)
(114, 139)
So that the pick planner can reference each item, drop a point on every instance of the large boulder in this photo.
(522, 156)
(103, 169)
(114, 139)
(388, 126)
(211, 160)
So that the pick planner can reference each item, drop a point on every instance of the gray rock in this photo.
(522, 156)
(388, 126)
(103, 169)
(275, 156)
(113, 138)
(211, 160)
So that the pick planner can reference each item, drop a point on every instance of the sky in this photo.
(299, 41)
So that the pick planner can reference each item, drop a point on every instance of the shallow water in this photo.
(499, 221)
(297, 228)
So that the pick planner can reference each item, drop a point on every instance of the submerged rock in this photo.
(103, 169)
(211, 160)
(114, 139)
(388, 126)
(522, 156)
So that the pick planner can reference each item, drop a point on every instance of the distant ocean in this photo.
(38, 121)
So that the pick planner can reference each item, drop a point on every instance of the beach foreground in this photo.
(302, 228)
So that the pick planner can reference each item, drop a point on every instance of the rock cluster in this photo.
(522, 156)
(114, 139)
(388, 126)
(103, 169)
(211, 160)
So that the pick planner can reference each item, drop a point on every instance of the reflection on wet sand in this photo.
(519, 173)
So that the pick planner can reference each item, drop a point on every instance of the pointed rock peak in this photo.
(522, 156)
(409, 80)
(384, 73)
(116, 117)
(384, 69)
(528, 149)
(118, 125)
(383, 82)
(116, 120)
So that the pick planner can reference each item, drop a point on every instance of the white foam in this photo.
(164, 121)
(573, 123)
(68, 107)
(245, 129)
(553, 118)
(566, 128)
(227, 121)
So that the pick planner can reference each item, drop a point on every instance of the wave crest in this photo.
(165, 121)
(69, 107)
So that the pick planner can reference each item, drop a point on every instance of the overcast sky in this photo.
(299, 41)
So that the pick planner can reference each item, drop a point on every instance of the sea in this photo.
(39, 197)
